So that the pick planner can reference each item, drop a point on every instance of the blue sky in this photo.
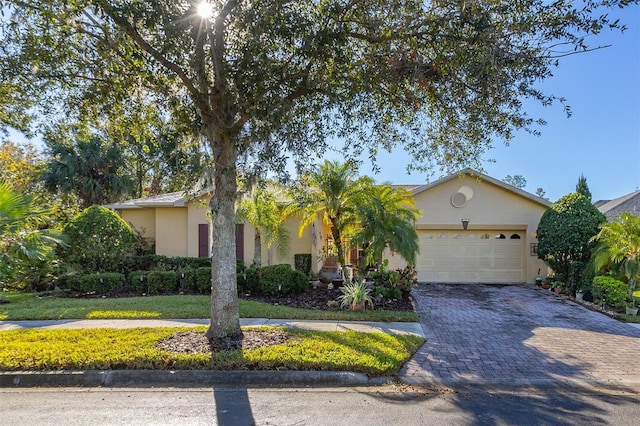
(601, 140)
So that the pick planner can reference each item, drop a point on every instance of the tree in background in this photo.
(264, 208)
(583, 188)
(565, 235)
(516, 180)
(618, 248)
(540, 192)
(88, 168)
(264, 81)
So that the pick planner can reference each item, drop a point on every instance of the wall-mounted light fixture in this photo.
(465, 223)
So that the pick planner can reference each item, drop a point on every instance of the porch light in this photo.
(465, 224)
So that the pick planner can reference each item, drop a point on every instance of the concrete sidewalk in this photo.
(318, 325)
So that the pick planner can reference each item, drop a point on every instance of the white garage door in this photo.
(471, 256)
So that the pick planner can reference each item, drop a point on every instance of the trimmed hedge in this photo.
(153, 282)
(276, 279)
(104, 283)
(203, 280)
(148, 262)
(609, 290)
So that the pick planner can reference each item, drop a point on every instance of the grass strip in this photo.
(375, 354)
(25, 306)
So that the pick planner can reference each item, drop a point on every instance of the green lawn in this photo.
(24, 306)
(376, 354)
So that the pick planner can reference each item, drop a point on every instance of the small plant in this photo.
(355, 296)
(408, 278)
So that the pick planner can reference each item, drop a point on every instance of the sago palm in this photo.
(619, 247)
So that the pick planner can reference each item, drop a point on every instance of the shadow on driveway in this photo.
(515, 336)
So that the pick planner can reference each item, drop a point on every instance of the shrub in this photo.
(161, 281)
(203, 279)
(97, 240)
(299, 282)
(272, 280)
(153, 282)
(609, 291)
(251, 278)
(103, 283)
(565, 236)
(275, 279)
(186, 279)
(302, 263)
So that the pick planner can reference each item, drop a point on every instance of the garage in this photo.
(478, 256)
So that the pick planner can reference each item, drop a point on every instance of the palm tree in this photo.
(264, 210)
(619, 247)
(20, 239)
(87, 168)
(333, 193)
(387, 220)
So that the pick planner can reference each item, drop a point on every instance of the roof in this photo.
(487, 178)
(172, 199)
(629, 203)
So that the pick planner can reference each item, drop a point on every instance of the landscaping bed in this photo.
(319, 299)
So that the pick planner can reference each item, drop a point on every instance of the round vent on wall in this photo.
(458, 199)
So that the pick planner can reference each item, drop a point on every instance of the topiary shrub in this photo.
(565, 235)
(609, 291)
(97, 240)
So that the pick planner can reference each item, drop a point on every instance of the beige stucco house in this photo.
(472, 229)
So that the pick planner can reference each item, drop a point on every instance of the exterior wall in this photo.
(171, 231)
(490, 207)
(196, 213)
(142, 220)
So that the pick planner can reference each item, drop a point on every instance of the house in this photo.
(472, 229)
(629, 203)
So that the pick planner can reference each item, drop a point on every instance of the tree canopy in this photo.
(266, 82)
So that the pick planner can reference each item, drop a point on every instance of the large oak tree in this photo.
(267, 80)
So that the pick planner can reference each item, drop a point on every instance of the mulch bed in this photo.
(319, 299)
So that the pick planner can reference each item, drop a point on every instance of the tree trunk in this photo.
(337, 240)
(257, 249)
(225, 320)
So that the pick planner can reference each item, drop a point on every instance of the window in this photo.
(514, 237)
(500, 237)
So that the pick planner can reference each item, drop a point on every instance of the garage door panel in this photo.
(476, 256)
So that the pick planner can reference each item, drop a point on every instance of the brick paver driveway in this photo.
(518, 335)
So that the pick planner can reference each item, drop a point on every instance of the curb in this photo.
(187, 379)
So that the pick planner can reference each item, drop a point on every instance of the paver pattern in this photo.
(517, 333)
